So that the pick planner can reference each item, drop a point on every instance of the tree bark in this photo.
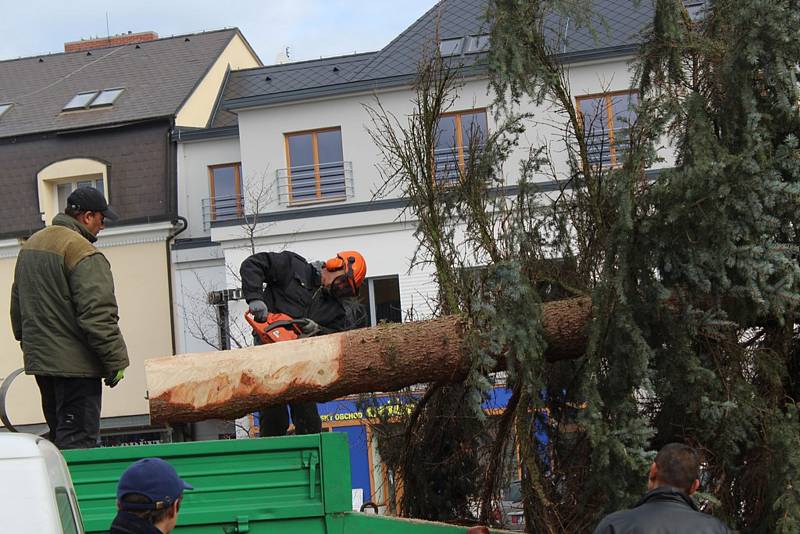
(229, 384)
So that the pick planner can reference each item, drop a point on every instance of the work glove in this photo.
(309, 327)
(259, 310)
(115, 378)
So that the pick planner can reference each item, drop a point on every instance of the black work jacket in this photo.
(288, 284)
(128, 523)
(664, 510)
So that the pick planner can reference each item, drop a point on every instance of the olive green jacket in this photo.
(63, 309)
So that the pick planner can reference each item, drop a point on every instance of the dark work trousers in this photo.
(71, 408)
(274, 420)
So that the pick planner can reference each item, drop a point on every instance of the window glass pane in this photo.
(445, 154)
(624, 113)
(387, 300)
(80, 100)
(63, 192)
(85, 183)
(100, 186)
(478, 43)
(226, 199)
(473, 125)
(331, 168)
(301, 162)
(65, 513)
(450, 47)
(106, 97)
(595, 123)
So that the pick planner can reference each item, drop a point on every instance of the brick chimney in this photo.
(114, 40)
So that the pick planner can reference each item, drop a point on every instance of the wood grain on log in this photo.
(229, 384)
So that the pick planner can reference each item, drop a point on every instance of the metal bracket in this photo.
(311, 460)
(4, 387)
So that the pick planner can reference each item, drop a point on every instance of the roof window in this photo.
(477, 43)
(450, 47)
(93, 99)
(4, 108)
(80, 101)
(106, 97)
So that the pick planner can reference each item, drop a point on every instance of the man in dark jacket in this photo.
(149, 495)
(667, 508)
(64, 313)
(284, 282)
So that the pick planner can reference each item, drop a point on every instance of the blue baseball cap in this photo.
(155, 479)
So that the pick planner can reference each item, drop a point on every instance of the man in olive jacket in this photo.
(64, 313)
(667, 508)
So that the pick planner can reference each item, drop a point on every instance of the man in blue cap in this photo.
(149, 497)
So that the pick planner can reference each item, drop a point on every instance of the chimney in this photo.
(114, 40)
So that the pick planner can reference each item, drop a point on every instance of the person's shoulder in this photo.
(611, 520)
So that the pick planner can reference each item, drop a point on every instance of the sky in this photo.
(310, 28)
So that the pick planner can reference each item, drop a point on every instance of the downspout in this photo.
(172, 235)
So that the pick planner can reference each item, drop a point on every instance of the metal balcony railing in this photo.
(307, 184)
(223, 208)
(600, 150)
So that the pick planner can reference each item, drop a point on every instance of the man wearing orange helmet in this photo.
(317, 293)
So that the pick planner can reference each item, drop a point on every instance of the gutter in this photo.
(172, 235)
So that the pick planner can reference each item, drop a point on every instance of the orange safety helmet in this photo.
(355, 268)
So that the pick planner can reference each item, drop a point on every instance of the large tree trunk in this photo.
(228, 384)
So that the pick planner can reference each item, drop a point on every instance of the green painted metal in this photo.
(236, 481)
(291, 485)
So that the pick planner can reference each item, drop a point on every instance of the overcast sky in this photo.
(310, 28)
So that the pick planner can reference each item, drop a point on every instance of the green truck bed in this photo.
(290, 484)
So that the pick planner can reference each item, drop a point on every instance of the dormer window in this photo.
(93, 99)
(4, 108)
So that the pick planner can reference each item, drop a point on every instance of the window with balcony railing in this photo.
(315, 168)
(607, 119)
(456, 134)
(225, 186)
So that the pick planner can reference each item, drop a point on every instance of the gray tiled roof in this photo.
(157, 76)
(293, 76)
(618, 26)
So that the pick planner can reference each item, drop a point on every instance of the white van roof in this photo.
(19, 446)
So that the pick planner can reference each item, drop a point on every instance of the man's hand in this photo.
(115, 378)
(259, 310)
(309, 327)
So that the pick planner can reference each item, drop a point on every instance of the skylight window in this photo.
(80, 101)
(450, 47)
(4, 108)
(106, 97)
(477, 43)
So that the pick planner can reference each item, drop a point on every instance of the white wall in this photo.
(196, 272)
(387, 249)
(193, 178)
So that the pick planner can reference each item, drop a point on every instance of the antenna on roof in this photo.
(108, 31)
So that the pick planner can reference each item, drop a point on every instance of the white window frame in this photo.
(71, 170)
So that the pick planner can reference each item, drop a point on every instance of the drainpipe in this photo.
(172, 235)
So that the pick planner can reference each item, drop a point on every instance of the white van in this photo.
(36, 493)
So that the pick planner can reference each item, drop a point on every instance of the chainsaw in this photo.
(277, 327)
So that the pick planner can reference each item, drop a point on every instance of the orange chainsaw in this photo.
(277, 327)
